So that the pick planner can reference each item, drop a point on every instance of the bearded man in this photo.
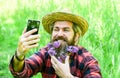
(62, 57)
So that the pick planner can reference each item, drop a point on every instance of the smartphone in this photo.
(32, 24)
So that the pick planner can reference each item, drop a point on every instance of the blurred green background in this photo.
(102, 38)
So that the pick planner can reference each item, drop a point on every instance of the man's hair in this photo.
(76, 29)
(51, 28)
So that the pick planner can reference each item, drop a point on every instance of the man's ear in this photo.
(77, 36)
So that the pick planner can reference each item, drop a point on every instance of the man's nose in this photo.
(60, 33)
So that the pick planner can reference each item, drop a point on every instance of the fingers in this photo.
(28, 41)
(67, 60)
(31, 46)
(58, 62)
(26, 34)
(24, 30)
(31, 37)
(54, 59)
(53, 63)
(32, 42)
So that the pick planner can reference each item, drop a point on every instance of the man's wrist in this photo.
(19, 58)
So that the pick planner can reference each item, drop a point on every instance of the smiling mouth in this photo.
(60, 40)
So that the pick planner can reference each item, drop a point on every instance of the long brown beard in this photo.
(62, 49)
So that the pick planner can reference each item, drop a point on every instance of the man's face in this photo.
(63, 30)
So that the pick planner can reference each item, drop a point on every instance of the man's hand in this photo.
(61, 69)
(27, 41)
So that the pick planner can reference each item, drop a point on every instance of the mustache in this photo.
(55, 38)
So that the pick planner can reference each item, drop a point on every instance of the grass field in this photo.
(102, 38)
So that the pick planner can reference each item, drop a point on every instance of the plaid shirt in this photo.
(82, 65)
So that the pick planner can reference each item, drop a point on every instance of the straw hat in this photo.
(49, 19)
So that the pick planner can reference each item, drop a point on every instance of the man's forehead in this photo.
(63, 24)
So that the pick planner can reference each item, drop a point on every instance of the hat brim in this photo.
(49, 19)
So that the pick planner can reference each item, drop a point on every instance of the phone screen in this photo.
(32, 24)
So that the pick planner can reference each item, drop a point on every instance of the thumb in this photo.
(24, 30)
(67, 60)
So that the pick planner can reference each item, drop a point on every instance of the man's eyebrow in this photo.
(66, 27)
(55, 27)
(62, 27)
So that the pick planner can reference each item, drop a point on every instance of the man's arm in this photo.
(92, 69)
(18, 62)
(27, 41)
(31, 66)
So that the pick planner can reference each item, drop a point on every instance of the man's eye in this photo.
(66, 29)
(55, 29)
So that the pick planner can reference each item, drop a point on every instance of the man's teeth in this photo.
(60, 40)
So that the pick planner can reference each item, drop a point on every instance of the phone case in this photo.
(32, 24)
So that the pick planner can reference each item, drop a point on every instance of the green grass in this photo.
(102, 38)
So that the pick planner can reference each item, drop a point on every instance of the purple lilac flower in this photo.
(52, 51)
(62, 58)
(72, 49)
(75, 49)
(69, 48)
(56, 44)
(59, 59)
(50, 45)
